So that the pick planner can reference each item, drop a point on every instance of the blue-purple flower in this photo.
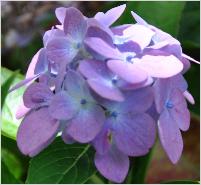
(174, 114)
(109, 86)
(128, 131)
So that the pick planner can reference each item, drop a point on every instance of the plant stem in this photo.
(138, 170)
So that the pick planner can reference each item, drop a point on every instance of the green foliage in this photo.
(12, 101)
(192, 77)
(5, 87)
(15, 162)
(165, 15)
(12, 162)
(61, 163)
(189, 32)
(7, 176)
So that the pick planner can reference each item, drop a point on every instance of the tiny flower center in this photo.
(83, 101)
(114, 114)
(129, 58)
(114, 81)
(169, 104)
(78, 46)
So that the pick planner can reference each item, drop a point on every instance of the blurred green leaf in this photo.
(62, 164)
(165, 15)
(9, 122)
(95, 179)
(189, 32)
(6, 176)
(192, 77)
(181, 182)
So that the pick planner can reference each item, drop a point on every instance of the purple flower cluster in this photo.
(107, 86)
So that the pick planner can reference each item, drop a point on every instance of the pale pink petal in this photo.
(139, 34)
(159, 66)
(127, 71)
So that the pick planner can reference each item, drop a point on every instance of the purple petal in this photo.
(106, 89)
(60, 14)
(60, 78)
(42, 63)
(138, 19)
(101, 142)
(21, 111)
(36, 94)
(51, 34)
(113, 165)
(102, 48)
(74, 24)
(161, 36)
(133, 102)
(170, 136)
(134, 99)
(118, 30)
(63, 107)
(153, 112)
(159, 66)
(186, 64)
(189, 58)
(127, 71)
(76, 86)
(134, 135)
(91, 22)
(180, 112)
(61, 50)
(110, 16)
(189, 97)
(129, 46)
(128, 86)
(36, 132)
(87, 123)
(60, 27)
(94, 69)
(163, 87)
(158, 45)
(139, 34)
(31, 68)
(66, 138)
(24, 82)
(100, 79)
(97, 31)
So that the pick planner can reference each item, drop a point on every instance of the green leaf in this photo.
(181, 182)
(9, 122)
(165, 15)
(12, 162)
(5, 87)
(139, 166)
(6, 176)
(61, 164)
(13, 158)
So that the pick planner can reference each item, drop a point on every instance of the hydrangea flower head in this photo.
(107, 86)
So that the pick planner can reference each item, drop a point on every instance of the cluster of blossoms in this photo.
(112, 87)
